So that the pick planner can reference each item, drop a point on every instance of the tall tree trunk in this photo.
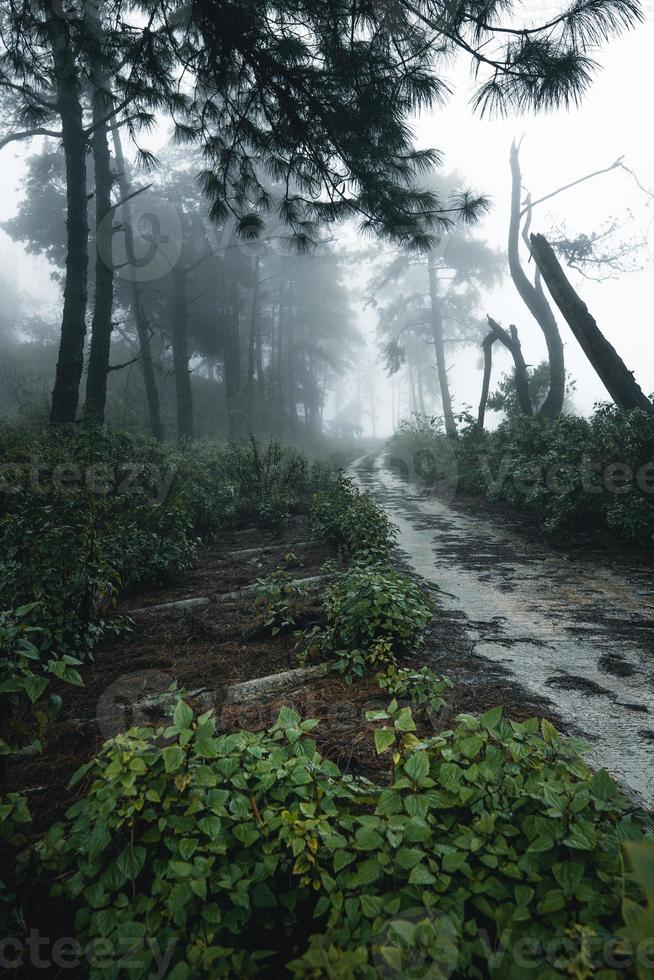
(261, 381)
(181, 356)
(291, 378)
(101, 326)
(136, 300)
(233, 390)
(70, 361)
(412, 390)
(421, 391)
(611, 369)
(535, 300)
(252, 343)
(439, 345)
(279, 357)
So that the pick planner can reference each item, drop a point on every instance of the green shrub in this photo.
(557, 469)
(420, 451)
(372, 602)
(240, 853)
(276, 598)
(271, 482)
(639, 919)
(373, 614)
(350, 519)
(84, 516)
(422, 687)
(14, 816)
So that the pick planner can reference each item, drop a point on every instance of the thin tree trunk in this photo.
(421, 392)
(291, 379)
(181, 357)
(233, 366)
(70, 362)
(252, 344)
(512, 344)
(279, 357)
(611, 369)
(487, 347)
(412, 390)
(261, 381)
(439, 345)
(138, 309)
(535, 300)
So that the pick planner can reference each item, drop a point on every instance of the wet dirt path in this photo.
(577, 632)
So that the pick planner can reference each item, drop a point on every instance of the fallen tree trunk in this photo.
(274, 684)
(611, 369)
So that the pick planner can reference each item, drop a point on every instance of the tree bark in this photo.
(512, 344)
(437, 328)
(252, 342)
(421, 393)
(101, 327)
(138, 309)
(535, 300)
(291, 379)
(487, 347)
(184, 394)
(70, 361)
(278, 408)
(233, 367)
(611, 369)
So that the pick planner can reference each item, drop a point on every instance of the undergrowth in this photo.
(249, 854)
(573, 473)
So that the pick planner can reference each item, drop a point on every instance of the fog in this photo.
(558, 146)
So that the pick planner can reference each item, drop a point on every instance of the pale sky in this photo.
(614, 119)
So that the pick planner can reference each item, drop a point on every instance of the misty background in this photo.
(559, 146)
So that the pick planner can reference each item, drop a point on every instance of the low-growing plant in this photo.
(351, 520)
(373, 614)
(246, 853)
(369, 602)
(353, 663)
(272, 482)
(87, 515)
(571, 472)
(639, 919)
(277, 596)
(422, 687)
(14, 816)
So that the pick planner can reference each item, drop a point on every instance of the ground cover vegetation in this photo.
(571, 472)
(251, 853)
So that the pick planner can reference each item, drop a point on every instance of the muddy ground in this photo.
(205, 649)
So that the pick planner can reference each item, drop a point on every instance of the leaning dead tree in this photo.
(611, 369)
(532, 294)
(510, 340)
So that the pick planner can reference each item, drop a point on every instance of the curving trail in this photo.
(577, 632)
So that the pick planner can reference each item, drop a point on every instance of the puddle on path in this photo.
(579, 633)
